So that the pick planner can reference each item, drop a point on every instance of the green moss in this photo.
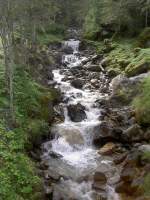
(142, 104)
(139, 64)
(121, 55)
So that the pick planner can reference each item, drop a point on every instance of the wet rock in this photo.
(50, 75)
(51, 174)
(75, 138)
(67, 50)
(70, 134)
(76, 112)
(55, 155)
(77, 83)
(106, 132)
(59, 112)
(107, 149)
(99, 181)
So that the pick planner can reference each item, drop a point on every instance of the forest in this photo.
(74, 99)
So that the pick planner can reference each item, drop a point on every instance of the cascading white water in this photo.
(73, 59)
(78, 159)
(74, 44)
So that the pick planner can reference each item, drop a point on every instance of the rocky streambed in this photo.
(95, 145)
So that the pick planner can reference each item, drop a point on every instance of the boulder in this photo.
(70, 134)
(77, 83)
(67, 50)
(107, 149)
(106, 132)
(75, 138)
(124, 89)
(76, 112)
(139, 68)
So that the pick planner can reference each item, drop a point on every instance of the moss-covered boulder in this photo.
(139, 64)
(139, 68)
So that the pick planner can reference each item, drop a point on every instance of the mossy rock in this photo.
(142, 67)
(139, 64)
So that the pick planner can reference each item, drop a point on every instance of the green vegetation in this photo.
(124, 56)
(142, 104)
(107, 18)
(46, 39)
(17, 171)
(140, 63)
(18, 174)
(117, 29)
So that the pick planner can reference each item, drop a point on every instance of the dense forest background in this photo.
(27, 28)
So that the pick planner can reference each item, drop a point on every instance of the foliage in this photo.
(17, 172)
(142, 104)
(115, 17)
(18, 175)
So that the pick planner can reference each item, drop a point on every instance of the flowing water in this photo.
(77, 159)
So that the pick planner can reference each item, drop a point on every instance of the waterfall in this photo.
(78, 158)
